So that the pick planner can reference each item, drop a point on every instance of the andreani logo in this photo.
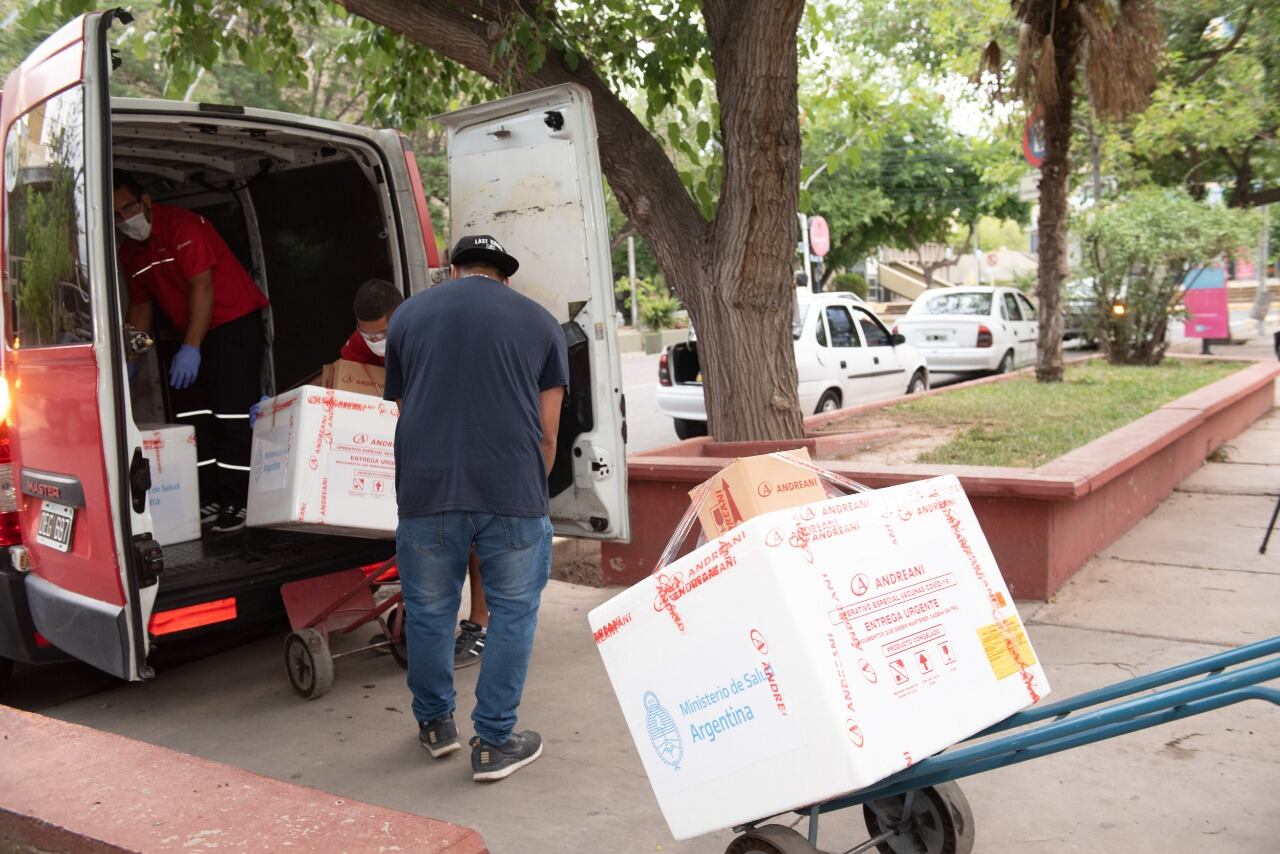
(664, 735)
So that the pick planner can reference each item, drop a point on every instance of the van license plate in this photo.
(56, 523)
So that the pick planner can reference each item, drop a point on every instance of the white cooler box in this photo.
(813, 651)
(174, 497)
(324, 461)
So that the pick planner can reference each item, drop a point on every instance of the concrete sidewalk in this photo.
(1186, 582)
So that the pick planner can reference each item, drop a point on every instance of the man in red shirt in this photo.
(176, 259)
(375, 301)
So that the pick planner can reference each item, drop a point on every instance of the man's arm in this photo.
(549, 414)
(139, 316)
(199, 307)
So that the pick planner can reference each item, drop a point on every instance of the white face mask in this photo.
(379, 348)
(136, 226)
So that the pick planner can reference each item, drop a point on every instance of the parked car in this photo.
(1080, 312)
(964, 330)
(844, 356)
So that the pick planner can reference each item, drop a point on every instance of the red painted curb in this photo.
(70, 788)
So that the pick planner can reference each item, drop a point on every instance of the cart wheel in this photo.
(770, 839)
(941, 822)
(395, 626)
(309, 663)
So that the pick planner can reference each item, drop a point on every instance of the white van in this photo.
(311, 208)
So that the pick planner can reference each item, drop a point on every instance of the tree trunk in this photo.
(1055, 174)
(734, 273)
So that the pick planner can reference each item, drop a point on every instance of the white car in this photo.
(844, 356)
(972, 329)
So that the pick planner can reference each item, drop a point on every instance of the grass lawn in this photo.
(1025, 424)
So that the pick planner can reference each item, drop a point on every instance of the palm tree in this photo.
(1116, 44)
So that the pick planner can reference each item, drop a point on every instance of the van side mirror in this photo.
(897, 338)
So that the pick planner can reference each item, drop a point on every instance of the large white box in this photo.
(324, 461)
(813, 651)
(174, 497)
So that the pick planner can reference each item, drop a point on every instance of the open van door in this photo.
(82, 480)
(526, 170)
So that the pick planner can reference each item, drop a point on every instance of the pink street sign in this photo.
(1206, 304)
(819, 236)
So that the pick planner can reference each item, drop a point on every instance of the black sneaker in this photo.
(439, 736)
(493, 762)
(469, 644)
(230, 520)
(209, 513)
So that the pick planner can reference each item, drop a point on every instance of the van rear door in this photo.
(526, 169)
(63, 355)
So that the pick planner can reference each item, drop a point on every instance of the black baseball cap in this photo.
(483, 249)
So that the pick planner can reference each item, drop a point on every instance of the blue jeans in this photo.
(515, 563)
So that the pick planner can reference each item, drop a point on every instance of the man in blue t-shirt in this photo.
(479, 372)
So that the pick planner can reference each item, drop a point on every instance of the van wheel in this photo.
(309, 663)
(6, 673)
(688, 429)
(829, 402)
(919, 382)
(1006, 364)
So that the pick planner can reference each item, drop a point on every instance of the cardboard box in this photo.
(324, 461)
(813, 651)
(750, 486)
(344, 375)
(174, 497)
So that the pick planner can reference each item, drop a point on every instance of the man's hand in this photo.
(185, 367)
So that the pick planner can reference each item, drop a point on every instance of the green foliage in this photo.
(1139, 250)
(995, 234)
(853, 283)
(45, 247)
(887, 168)
(658, 307)
(1024, 423)
(1215, 115)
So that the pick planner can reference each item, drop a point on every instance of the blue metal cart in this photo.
(922, 811)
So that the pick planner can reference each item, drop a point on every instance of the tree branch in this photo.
(642, 177)
(1263, 197)
(628, 230)
(1215, 56)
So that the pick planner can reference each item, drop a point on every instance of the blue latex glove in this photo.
(185, 367)
(254, 411)
(134, 368)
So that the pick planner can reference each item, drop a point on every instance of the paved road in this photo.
(646, 426)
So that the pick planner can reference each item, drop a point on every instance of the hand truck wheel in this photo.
(770, 839)
(395, 626)
(309, 663)
(939, 821)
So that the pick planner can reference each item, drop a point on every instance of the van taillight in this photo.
(10, 530)
(984, 337)
(664, 369)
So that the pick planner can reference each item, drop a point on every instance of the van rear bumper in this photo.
(17, 632)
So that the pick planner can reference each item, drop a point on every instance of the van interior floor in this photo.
(258, 558)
